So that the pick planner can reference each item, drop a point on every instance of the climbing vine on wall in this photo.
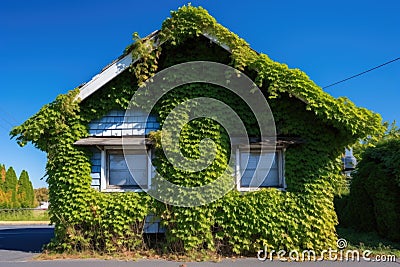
(303, 217)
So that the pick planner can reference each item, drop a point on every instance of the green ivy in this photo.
(302, 217)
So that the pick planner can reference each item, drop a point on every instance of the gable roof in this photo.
(120, 64)
(109, 72)
(188, 22)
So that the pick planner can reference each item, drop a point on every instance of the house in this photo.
(44, 205)
(98, 187)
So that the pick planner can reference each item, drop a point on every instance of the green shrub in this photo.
(374, 202)
(340, 203)
(358, 212)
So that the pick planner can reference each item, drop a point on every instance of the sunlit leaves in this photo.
(303, 217)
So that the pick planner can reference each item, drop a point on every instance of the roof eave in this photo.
(123, 62)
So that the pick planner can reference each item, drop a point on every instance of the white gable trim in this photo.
(118, 66)
(105, 76)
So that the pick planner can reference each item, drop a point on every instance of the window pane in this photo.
(257, 169)
(119, 173)
(272, 178)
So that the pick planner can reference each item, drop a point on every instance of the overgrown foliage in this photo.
(374, 200)
(302, 217)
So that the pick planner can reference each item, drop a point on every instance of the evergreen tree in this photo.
(3, 196)
(2, 176)
(25, 191)
(15, 193)
(10, 187)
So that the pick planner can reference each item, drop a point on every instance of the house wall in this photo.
(116, 124)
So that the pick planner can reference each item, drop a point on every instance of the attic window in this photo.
(252, 164)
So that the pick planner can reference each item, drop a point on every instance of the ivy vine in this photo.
(302, 218)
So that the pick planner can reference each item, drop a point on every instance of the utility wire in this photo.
(4, 128)
(5, 120)
(7, 117)
(361, 73)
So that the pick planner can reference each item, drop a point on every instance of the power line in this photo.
(4, 119)
(7, 121)
(7, 117)
(361, 73)
(3, 128)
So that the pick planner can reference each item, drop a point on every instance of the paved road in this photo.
(22, 242)
(19, 244)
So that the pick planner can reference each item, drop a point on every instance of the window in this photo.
(120, 176)
(252, 164)
(252, 167)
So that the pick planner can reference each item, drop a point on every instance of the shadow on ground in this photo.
(25, 238)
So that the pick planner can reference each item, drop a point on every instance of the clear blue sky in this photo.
(49, 47)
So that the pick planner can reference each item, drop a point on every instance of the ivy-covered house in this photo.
(96, 203)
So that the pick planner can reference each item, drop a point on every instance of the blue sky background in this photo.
(50, 47)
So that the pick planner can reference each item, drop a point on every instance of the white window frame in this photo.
(150, 154)
(281, 170)
(104, 181)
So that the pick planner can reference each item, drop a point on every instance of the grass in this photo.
(369, 241)
(24, 215)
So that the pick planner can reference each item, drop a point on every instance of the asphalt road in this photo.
(19, 244)
(22, 242)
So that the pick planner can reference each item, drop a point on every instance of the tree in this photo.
(2, 172)
(42, 194)
(2, 176)
(3, 198)
(14, 192)
(392, 131)
(25, 191)
(10, 185)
